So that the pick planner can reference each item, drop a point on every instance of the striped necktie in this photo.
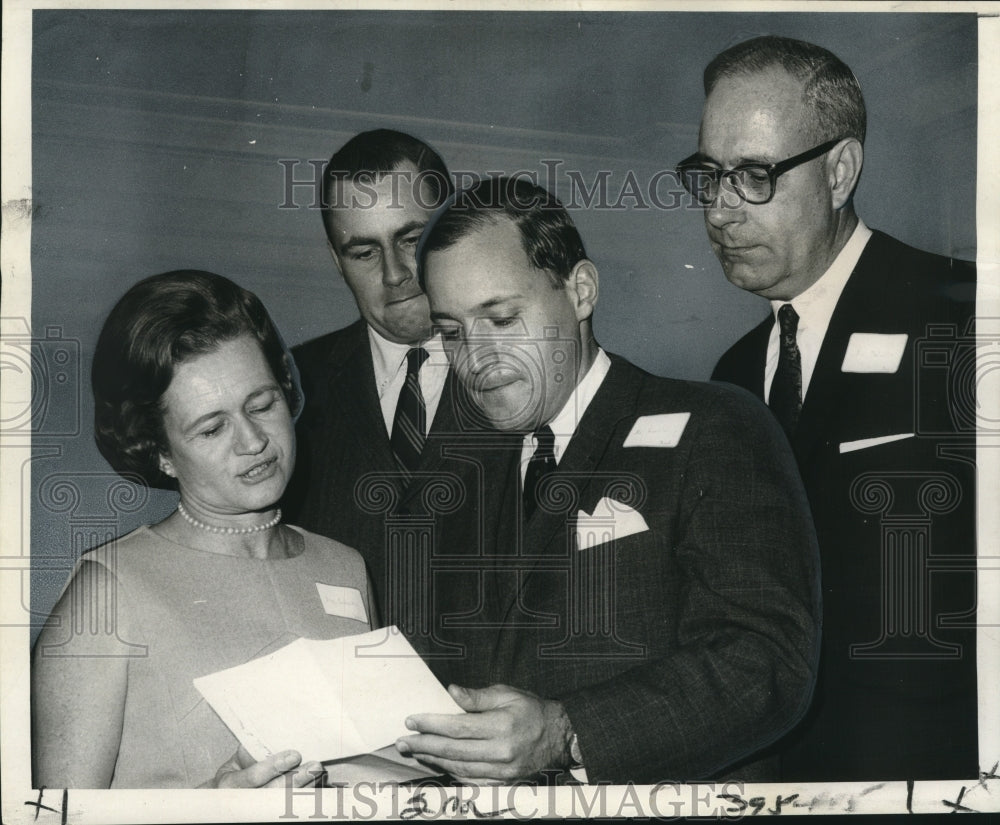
(409, 429)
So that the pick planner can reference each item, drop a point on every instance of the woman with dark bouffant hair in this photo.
(194, 391)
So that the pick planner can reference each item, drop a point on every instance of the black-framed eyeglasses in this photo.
(752, 182)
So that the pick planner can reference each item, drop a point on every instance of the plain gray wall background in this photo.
(157, 138)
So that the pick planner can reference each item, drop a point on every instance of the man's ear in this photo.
(844, 169)
(582, 286)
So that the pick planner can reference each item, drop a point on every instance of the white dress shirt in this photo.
(568, 419)
(389, 360)
(815, 308)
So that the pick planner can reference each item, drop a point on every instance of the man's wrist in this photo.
(562, 735)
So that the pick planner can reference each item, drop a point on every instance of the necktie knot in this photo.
(546, 441)
(788, 320)
(415, 358)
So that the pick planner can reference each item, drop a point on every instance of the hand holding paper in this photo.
(327, 699)
(507, 734)
(241, 771)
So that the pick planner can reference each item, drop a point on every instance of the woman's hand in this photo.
(241, 771)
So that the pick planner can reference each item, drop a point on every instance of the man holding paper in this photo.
(649, 610)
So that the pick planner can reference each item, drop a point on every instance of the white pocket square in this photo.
(874, 352)
(663, 430)
(862, 443)
(610, 520)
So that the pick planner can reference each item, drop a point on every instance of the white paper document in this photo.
(327, 699)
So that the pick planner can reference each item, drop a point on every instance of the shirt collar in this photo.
(816, 304)
(564, 424)
(388, 357)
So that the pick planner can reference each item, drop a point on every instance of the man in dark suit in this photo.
(649, 609)
(855, 360)
(379, 397)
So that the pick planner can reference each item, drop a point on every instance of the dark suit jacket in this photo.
(347, 486)
(896, 698)
(676, 650)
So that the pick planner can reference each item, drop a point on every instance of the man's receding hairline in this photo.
(807, 101)
(751, 72)
(479, 220)
(496, 217)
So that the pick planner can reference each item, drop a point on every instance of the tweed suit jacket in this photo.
(886, 451)
(679, 641)
(347, 485)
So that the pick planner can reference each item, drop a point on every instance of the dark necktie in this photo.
(541, 463)
(785, 400)
(408, 425)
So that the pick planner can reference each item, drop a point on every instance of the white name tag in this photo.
(874, 352)
(663, 430)
(345, 602)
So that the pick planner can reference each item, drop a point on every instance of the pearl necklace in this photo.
(228, 531)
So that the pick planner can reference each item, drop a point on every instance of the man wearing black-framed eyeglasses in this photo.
(750, 182)
(843, 362)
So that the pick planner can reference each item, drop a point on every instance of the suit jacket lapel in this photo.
(856, 310)
(615, 401)
(352, 388)
(443, 428)
(544, 533)
(446, 430)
